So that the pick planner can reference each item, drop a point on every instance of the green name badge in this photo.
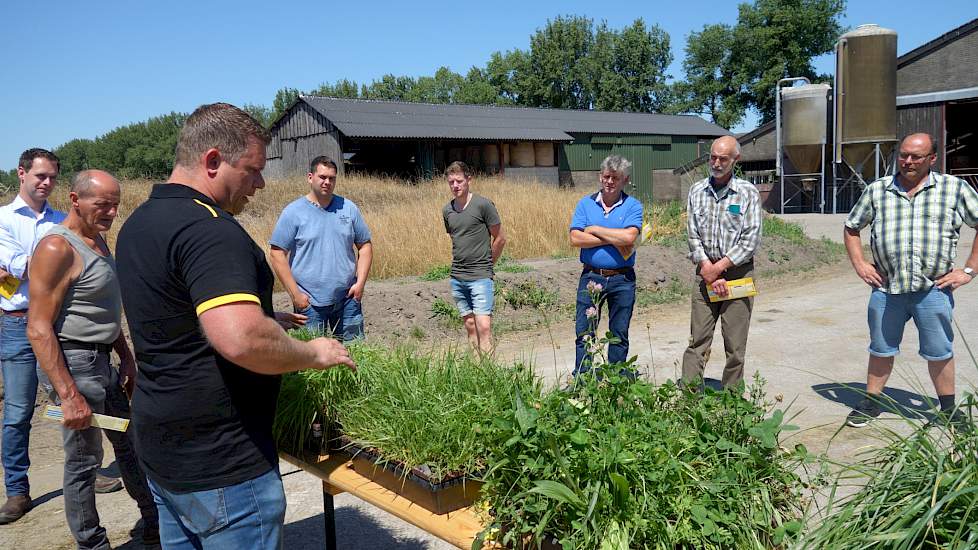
(734, 209)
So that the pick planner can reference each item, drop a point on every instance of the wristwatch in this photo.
(969, 272)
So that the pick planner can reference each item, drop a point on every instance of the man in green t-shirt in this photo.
(477, 242)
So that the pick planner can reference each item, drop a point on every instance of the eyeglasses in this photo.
(912, 157)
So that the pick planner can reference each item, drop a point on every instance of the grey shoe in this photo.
(106, 484)
(15, 508)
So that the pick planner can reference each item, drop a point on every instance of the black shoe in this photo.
(15, 508)
(956, 419)
(863, 414)
(106, 484)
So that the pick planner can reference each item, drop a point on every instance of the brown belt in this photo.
(16, 313)
(607, 272)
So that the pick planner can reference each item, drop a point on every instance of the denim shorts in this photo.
(931, 313)
(473, 296)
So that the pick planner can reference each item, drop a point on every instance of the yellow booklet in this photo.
(8, 286)
(739, 288)
(103, 421)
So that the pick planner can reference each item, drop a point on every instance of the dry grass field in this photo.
(405, 218)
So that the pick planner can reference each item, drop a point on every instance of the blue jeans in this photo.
(98, 382)
(250, 515)
(618, 292)
(476, 297)
(931, 311)
(20, 392)
(343, 319)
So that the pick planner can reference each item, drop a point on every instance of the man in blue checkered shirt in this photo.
(915, 220)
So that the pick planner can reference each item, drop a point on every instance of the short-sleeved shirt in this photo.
(914, 240)
(627, 212)
(471, 240)
(199, 421)
(320, 242)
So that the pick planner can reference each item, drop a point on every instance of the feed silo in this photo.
(804, 112)
(865, 100)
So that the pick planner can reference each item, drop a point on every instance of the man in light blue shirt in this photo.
(23, 223)
(312, 254)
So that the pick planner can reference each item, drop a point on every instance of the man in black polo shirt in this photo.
(198, 296)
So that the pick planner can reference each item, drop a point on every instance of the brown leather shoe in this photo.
(106, 484)
(15, 508)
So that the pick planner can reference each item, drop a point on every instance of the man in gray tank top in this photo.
(74, 323)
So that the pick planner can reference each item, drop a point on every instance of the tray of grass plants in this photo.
(917, 489)
(414, 411)
(454, 491)
(613, 463)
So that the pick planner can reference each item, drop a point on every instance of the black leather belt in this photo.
(72, 344)
(607, 272)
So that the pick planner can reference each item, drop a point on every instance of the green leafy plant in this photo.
(446, 312)
(437, 273)
(507, 265)
(612, 462)
(527, 294)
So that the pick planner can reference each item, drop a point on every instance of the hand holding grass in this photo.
(331, 353)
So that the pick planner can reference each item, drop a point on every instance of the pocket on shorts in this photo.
(81, 361)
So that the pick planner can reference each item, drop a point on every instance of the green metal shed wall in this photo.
(647, 153)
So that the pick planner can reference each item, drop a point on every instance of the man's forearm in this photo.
(365, 257)
(121, 347)
(280, 265)
(497, 247)
(854, 246)
(581, 239)
(50, 358)
(614, 237)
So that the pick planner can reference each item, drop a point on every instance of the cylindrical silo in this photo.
(865, 100)
(804, 111)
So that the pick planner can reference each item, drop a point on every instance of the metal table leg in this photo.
(329, 518)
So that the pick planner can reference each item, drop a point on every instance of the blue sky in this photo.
(79, 69)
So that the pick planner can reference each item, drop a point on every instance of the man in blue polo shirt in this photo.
(605, 227)
(312, 253)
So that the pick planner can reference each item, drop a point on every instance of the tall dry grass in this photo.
(405, 218)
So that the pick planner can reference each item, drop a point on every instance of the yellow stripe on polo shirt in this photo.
(227, 299)
(207, 206)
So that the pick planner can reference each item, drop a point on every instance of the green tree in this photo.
(629, 68)
(775, 39)
(74, 156)
(557, 72)
(284, 98)
(261, 113)
(391, 88)
(708, 88)
(343, 88)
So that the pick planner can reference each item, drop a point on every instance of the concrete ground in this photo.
(808, 340)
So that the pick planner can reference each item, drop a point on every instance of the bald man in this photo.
(724, 227)
(915, 221)
(74, 323)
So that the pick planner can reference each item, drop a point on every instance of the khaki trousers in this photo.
(734, 318)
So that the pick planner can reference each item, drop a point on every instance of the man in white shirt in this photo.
(23, 223)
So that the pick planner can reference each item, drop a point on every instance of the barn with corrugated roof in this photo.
(417, 140)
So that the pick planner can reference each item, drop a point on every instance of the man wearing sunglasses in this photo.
(915, 221)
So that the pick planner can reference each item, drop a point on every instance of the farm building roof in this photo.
(396, 119)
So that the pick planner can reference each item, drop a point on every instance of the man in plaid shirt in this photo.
(915, 221)
(724, 228)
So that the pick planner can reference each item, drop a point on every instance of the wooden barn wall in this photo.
(301, 135)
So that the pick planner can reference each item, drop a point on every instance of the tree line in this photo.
(571, 63)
